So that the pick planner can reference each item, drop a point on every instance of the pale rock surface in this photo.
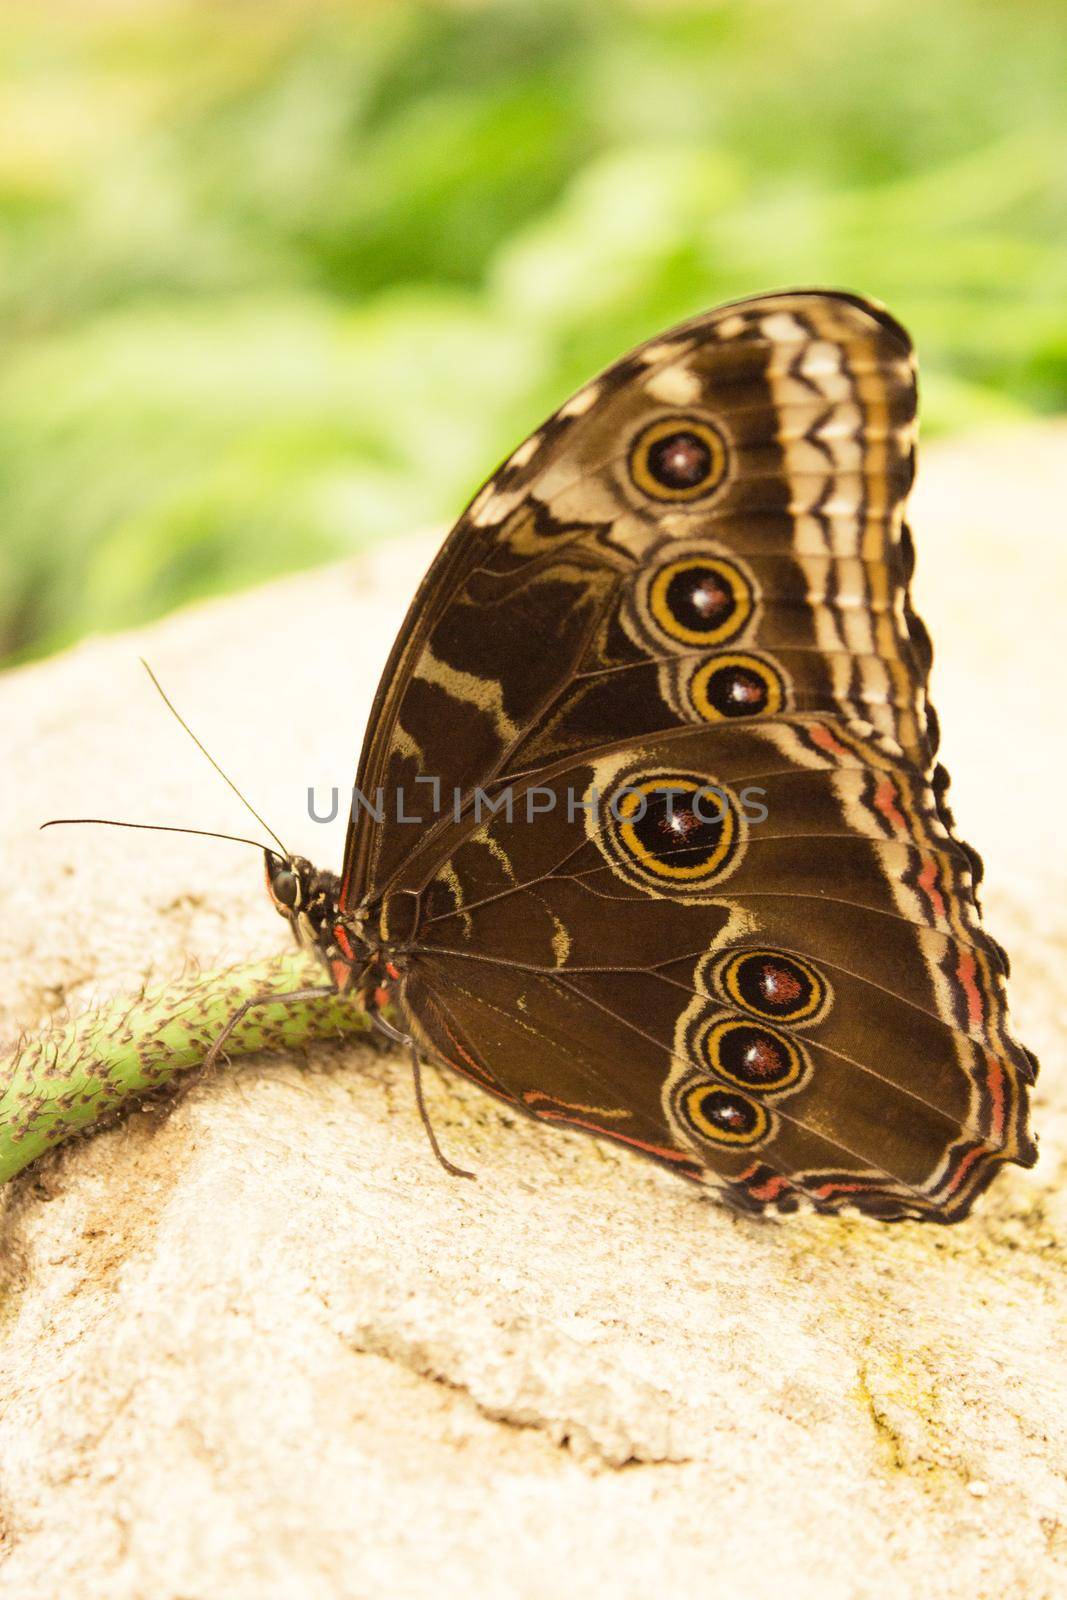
(256, 1345)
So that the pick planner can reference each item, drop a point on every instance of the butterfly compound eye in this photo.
(283, 883)
(678, 458)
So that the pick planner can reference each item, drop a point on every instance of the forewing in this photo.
(598, 588)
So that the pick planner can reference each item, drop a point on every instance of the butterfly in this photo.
(648, 837)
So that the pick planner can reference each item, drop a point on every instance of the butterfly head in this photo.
(309, 900)
(287, 882)
(304, 895)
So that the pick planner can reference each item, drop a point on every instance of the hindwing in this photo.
(791, 989)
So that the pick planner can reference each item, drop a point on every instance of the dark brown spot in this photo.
(680, 460)
(698, 598)
(709, 598)
(671, 831)
(729, 1116)
(776, 986)
(753, 1056)
(737, 691)
(762, 1058)
(679, 824)
(724, 1109)
(779, 986)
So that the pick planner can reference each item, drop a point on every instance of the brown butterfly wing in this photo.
(698, 570)
(543, 587)
(807, 1007)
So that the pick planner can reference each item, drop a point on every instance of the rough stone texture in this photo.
(256, 1344)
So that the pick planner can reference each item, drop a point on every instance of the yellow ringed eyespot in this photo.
(678, 458)
(771, 984)
(753, 1057)
(723, 1117)
(736, 685)
(675, 827)
(699, 599)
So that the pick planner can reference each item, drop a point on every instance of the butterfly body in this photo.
(652, 840)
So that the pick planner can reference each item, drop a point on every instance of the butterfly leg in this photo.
(293, 997)
(416, 1074)
(386, 1028)
(389, 1031)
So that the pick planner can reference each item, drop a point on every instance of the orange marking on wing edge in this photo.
(769, 1189)
(479, 1078)
(569, 1105)
(821, 735)
(996, 1083)
(965, 972)
(663, 1151)
(826, 1190)
(885, 797)
(973, 1154)
(928, 884)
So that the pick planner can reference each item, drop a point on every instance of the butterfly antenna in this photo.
(176, 714)
(155, 827)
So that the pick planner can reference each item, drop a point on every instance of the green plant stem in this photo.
(65, 1079)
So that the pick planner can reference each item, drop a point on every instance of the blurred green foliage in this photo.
(279, 278)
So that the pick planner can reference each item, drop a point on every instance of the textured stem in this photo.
(63, 1080)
